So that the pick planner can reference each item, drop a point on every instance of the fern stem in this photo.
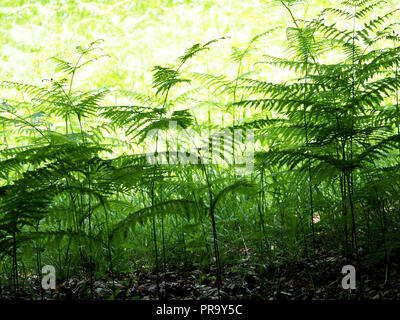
(155, 238)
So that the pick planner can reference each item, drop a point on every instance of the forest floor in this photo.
(319, 279)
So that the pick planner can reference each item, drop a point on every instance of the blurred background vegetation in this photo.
(138, 35)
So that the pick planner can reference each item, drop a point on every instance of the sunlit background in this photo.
(139, 34)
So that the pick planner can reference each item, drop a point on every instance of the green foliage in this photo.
(77, 189)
